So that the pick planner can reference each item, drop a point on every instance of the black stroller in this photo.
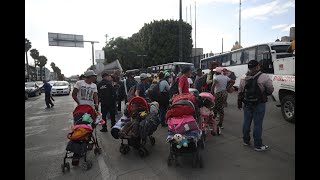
(82, 138)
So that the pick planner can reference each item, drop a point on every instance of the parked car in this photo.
(32, 88)
(26, 94)
(60, 87)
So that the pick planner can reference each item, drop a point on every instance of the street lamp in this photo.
(142, 55)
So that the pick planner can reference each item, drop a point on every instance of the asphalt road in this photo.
(225, 158)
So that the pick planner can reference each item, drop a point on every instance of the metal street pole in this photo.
(240, 24)
(92, 43)
(180, 32)
(142, 55)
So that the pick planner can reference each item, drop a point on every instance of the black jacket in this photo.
(106, 93)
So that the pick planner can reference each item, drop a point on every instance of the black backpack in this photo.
(201, 81)
(155, 92)
(174, 88)
(252, 92)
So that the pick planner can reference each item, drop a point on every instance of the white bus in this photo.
(174, 67)
(274, 60)
(237, 60)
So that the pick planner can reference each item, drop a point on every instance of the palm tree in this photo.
(27, 47)
(34, 53)
(41, 62)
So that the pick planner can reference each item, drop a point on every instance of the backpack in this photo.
(155, 92)
(252, 92)
(131, 93)
(174, 88)
(201, 82)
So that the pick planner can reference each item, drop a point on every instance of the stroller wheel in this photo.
(97, 151)
(62, 167)
(200, 161)
(127, 148)
(142, 152)
(68, 166)
(86, 166)
(218, 131)
(152, 140)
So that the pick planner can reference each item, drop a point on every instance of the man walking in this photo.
(47, 90)
(85, 91)
(254, 88)
(107, 97)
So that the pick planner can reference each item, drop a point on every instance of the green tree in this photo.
(57, 70)
(159, 40)
(34, 53)
(27, 46)
(41, 62)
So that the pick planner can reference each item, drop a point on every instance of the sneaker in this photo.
(48, 107)
(262, 148)
(104, 130)
(246, 144)
(52, 105)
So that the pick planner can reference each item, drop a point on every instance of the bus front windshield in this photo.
(182, 66)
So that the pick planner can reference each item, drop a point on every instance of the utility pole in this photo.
(180, 32)
(222, 45)
(195, 28)
(240, 24)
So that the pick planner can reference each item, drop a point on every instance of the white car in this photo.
(60, 87)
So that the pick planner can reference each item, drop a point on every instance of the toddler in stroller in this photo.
(208, 123)
(184, 135)
(139, 123)
(82, 138)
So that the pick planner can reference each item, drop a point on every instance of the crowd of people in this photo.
(253, 89)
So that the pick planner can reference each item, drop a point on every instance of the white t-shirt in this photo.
(221, 83)
(85, 93)
(190, 82)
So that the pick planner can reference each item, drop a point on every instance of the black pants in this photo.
(48, 99)
(105, 109)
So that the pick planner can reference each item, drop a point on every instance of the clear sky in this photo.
(262, 21)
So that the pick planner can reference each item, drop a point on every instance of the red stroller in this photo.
(82, 138)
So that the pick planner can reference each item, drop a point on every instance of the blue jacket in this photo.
(47, 88)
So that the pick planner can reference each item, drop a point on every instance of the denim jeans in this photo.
(257, 115)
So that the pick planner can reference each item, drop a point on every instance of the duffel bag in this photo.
(185, 96)
(179, 111)
(182, 124)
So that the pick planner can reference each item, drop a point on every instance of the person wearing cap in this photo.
(85, 91)
(107, 98)
(210, 75)
(257, 112)
(183, 86)
(141, 87)
(220, 85)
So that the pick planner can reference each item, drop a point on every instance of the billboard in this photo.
(99, 54)
(65, 40)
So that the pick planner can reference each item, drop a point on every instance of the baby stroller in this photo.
(184, 134)
(207, 121)
(138, 126)
(82, 138)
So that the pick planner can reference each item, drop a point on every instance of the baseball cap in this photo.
(149, 75)
(90, 73)
(253, 64)
(143, 76)
(219, 69)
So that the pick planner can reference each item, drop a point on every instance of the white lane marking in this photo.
(103, 168)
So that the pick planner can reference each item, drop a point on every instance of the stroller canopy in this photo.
(85, 108)
(141, 103)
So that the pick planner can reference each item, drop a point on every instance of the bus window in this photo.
(264, 59)
(165, 67)
(238, 57)
(226, 60)
(244, 58)
(252, 54)
(233, 58)
(261, 50)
